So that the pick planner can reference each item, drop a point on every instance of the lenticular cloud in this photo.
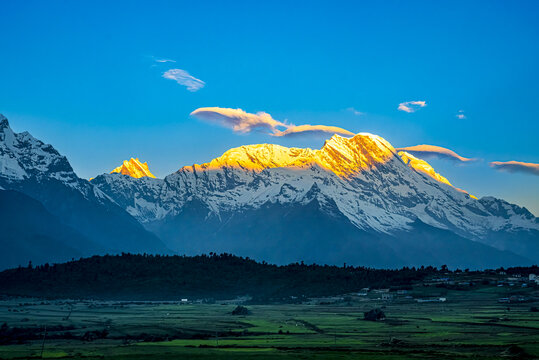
(243, 122)
(434, 151)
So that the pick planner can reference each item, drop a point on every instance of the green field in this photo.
(471, 324)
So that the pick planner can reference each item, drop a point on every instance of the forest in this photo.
(204, 277)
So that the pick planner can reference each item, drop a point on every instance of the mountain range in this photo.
(50, 214)
(356, 200)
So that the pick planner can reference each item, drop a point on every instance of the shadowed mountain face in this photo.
(97, 223)
(355, 200)
(315, 233)
(30, 232)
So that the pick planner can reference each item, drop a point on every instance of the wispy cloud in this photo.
(243, 122)
(516, 166)
(313, 129)
(354, 111)
(411, 106)
(182, 77)
(165, 60)
(434, 151)
(460, 115)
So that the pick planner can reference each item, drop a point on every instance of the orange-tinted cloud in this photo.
(244, 122)
(516, 166)
(434, 151)
(239, 120)
(320, 129)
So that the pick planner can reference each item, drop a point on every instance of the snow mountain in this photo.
(355, 200)
(39, 181)
(134, 168)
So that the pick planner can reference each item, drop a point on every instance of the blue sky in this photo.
(83, 76)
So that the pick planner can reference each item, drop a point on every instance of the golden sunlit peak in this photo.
(425, 168)
(341, 155)
(422, 166)
(134, 168)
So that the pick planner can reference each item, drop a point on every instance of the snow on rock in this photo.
(134, 168)
(375, 187)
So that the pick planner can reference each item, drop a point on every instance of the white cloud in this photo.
(461, 115)
(244, 122)
(164, 60)
(354, 111)
(182, 77)
(411, 106)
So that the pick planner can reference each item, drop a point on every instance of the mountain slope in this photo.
(29, 232)
(377, 190)
(31, 167)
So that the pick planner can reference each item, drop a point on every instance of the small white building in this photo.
(532, 277)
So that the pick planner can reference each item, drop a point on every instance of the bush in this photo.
(374, 315)
(240, 310)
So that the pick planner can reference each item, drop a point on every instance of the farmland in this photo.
(471, 323)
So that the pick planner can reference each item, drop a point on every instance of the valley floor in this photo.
(471, 324)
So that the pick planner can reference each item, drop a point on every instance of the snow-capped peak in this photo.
(134, 168)
(422, 166)
(340, 155)
(3, 121)
(23, 156)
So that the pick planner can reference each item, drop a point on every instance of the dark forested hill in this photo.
(148, 277)
(225, 276)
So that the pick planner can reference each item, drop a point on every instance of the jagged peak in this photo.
(4, 123)
(341, 155)
(134, 168)
(347, 156)
(422, 166)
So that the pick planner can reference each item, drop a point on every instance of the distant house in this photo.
(532, 277)
(442, 299)
(363, 292)
(387, 296)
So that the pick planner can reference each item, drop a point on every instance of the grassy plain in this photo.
(471, 324)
